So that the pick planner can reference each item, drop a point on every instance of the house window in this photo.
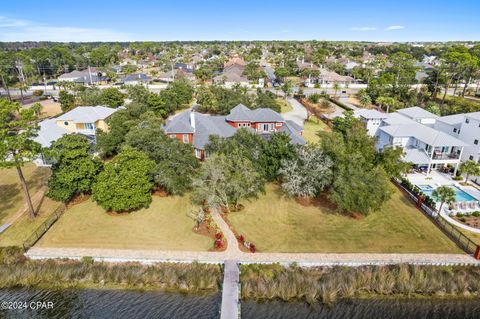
(90, 126)
(467, 121)
(475, 142)
(471, 157)
(265, 127)
(454, 130)
(198, 153)
(65, 123)
(185, 138)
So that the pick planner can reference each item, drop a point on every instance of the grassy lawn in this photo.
(285, 106)
(311, 128)
(23, 227)
(278, 224)
(11, 194)
(164, 225)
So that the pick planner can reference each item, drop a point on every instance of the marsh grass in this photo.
(328, 284)
(17, 271)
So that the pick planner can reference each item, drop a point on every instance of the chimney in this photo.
(192, 119)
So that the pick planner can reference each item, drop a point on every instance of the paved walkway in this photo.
(298, 114)
(230, 290)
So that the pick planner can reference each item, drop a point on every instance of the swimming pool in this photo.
(460, 196)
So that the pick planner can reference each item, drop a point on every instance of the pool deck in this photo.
(436, 179)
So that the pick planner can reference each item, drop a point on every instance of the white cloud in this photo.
(23, 30)
(363, 29)
(395, 27)
(11, 23)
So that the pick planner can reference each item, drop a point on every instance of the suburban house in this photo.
(325, 77)
(413, 129)
(135, 78)
(232, 73)
(195, 128)
(83, 120)
(88, 76)
(465, 127)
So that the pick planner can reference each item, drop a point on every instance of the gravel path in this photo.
(234, 253)
(305, 259)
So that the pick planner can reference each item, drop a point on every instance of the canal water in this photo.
(151, 304)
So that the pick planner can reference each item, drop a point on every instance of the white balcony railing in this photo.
(86, 131)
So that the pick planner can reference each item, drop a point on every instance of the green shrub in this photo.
(476, 214)
(457, 178)
(38, 93)
(11, 255)
(88, 260)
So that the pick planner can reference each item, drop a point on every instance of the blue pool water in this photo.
(460, 196)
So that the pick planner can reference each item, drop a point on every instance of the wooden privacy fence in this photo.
(43, 228)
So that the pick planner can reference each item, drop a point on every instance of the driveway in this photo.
(298, 114)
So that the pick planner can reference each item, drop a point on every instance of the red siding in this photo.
(179, 137)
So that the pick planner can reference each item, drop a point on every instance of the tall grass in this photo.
(327, 284)
(17, 271)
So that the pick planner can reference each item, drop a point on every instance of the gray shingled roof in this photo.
(266, 115)
(179, 124)
(239, 113)
(243, 113)
(139, 77)
(87, 114)
(206, 125)
(291, 129)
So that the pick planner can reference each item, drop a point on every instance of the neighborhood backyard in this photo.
(278, 224)
(164, 225)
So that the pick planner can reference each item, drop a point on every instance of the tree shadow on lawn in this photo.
(10, 195)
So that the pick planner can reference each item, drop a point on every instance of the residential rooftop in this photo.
(87, 114)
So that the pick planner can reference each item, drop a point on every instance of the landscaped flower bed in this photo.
(472, 220)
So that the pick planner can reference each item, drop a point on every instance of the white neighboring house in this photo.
(83, 120)
(465, 127)
(412, 129)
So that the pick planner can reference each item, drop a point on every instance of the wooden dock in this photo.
(230, 292)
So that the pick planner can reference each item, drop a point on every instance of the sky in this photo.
(140, 20)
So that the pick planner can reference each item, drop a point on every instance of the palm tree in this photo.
(444, 194)
(470, 168)
(365, 100)
(336, 87)
(386, 101)
(287, 88)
